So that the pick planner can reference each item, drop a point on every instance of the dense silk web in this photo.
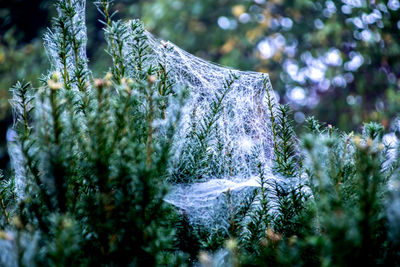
(243, 129)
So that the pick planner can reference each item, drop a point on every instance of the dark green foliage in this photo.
(188, 239)
(92, 163)
(7, 199)
(287, 163)
(290, 206)
(93, 170)
(345, 222)
(373, 130)
(313, 125)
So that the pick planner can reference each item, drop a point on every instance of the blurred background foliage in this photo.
(338, 60)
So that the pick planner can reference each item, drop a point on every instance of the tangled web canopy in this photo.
(241, 141)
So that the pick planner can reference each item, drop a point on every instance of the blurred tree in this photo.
(22, 24)
(337, 59)
(21, 53)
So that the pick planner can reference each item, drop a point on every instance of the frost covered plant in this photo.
(89, 158)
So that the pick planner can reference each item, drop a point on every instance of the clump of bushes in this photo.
(92, 156)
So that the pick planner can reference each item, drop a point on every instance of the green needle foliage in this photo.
(286, 158)
(92, 161)
(339, 214)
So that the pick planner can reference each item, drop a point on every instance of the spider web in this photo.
(244, 129)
